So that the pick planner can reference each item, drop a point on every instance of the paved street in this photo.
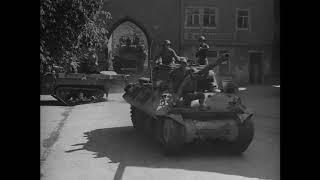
(97, 141)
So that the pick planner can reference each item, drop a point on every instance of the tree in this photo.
(71, 31)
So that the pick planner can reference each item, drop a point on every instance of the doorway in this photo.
(255, 67)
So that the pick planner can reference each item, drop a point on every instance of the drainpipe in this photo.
(181, 2)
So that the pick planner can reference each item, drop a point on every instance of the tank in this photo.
(129, 56)
(156, 111)
(76, 88)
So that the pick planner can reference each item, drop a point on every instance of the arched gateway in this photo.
(129, 45)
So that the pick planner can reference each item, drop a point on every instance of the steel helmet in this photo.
(202, 38)
(167, 42)
(184, 60)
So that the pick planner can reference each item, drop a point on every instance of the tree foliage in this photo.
(70, 31)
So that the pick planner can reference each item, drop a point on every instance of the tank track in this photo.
(168, 133)
(78, 95)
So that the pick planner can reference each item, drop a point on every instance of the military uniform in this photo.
(189, 90)
(202, 54)
(90, 65)
(167, 56)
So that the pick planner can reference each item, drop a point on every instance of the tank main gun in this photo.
(200, 74)
(211, 66)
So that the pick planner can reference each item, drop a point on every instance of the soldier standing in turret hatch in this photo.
(167, 54)
(201, 54)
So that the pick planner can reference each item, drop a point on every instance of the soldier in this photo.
(90, 65)
(136, 40)
(201, 54)
(186, 88)
(122, 41)
(142, 55)
(94, 64)
(128, 42)
(74, 66)
(167, 54)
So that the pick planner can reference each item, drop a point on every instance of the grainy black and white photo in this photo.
(159, 89)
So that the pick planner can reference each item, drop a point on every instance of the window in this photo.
(200, 17)
(209, 17)
(242, 19)
(193, 17)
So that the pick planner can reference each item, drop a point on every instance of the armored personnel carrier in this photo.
(129, 56)
(76, 88)
(163, 113)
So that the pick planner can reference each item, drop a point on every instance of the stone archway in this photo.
(127, 38)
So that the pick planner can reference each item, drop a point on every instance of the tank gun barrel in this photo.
(211, 66)
(201, 73)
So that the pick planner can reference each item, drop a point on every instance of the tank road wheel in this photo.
(99, 95)
(63, 94)
(245, 136)
(137, 118)
(172, 136)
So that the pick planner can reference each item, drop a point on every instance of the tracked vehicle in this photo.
(163, 113)
(77, 88)
(129, 56)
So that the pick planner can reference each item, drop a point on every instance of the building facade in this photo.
(245, 28)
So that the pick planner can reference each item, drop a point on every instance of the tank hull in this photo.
(223, 119)
(177, 105)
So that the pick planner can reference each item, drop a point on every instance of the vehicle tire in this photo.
(172, 136)
(137, 118)
(245, 136)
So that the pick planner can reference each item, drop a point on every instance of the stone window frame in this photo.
(249, 18)
(201, 17)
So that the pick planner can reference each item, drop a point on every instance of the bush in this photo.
(71, 31)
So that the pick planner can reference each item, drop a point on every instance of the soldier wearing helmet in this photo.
(181, 86)
(201, 54)
(167, 54)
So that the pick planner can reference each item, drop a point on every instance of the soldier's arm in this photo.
(175, 56)
(157, 58)
(204, 47)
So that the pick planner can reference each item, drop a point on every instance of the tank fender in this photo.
(247, 114)
(177, 117)
(190, 130)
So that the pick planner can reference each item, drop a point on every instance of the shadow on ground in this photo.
(125, 146)
(57, 103)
